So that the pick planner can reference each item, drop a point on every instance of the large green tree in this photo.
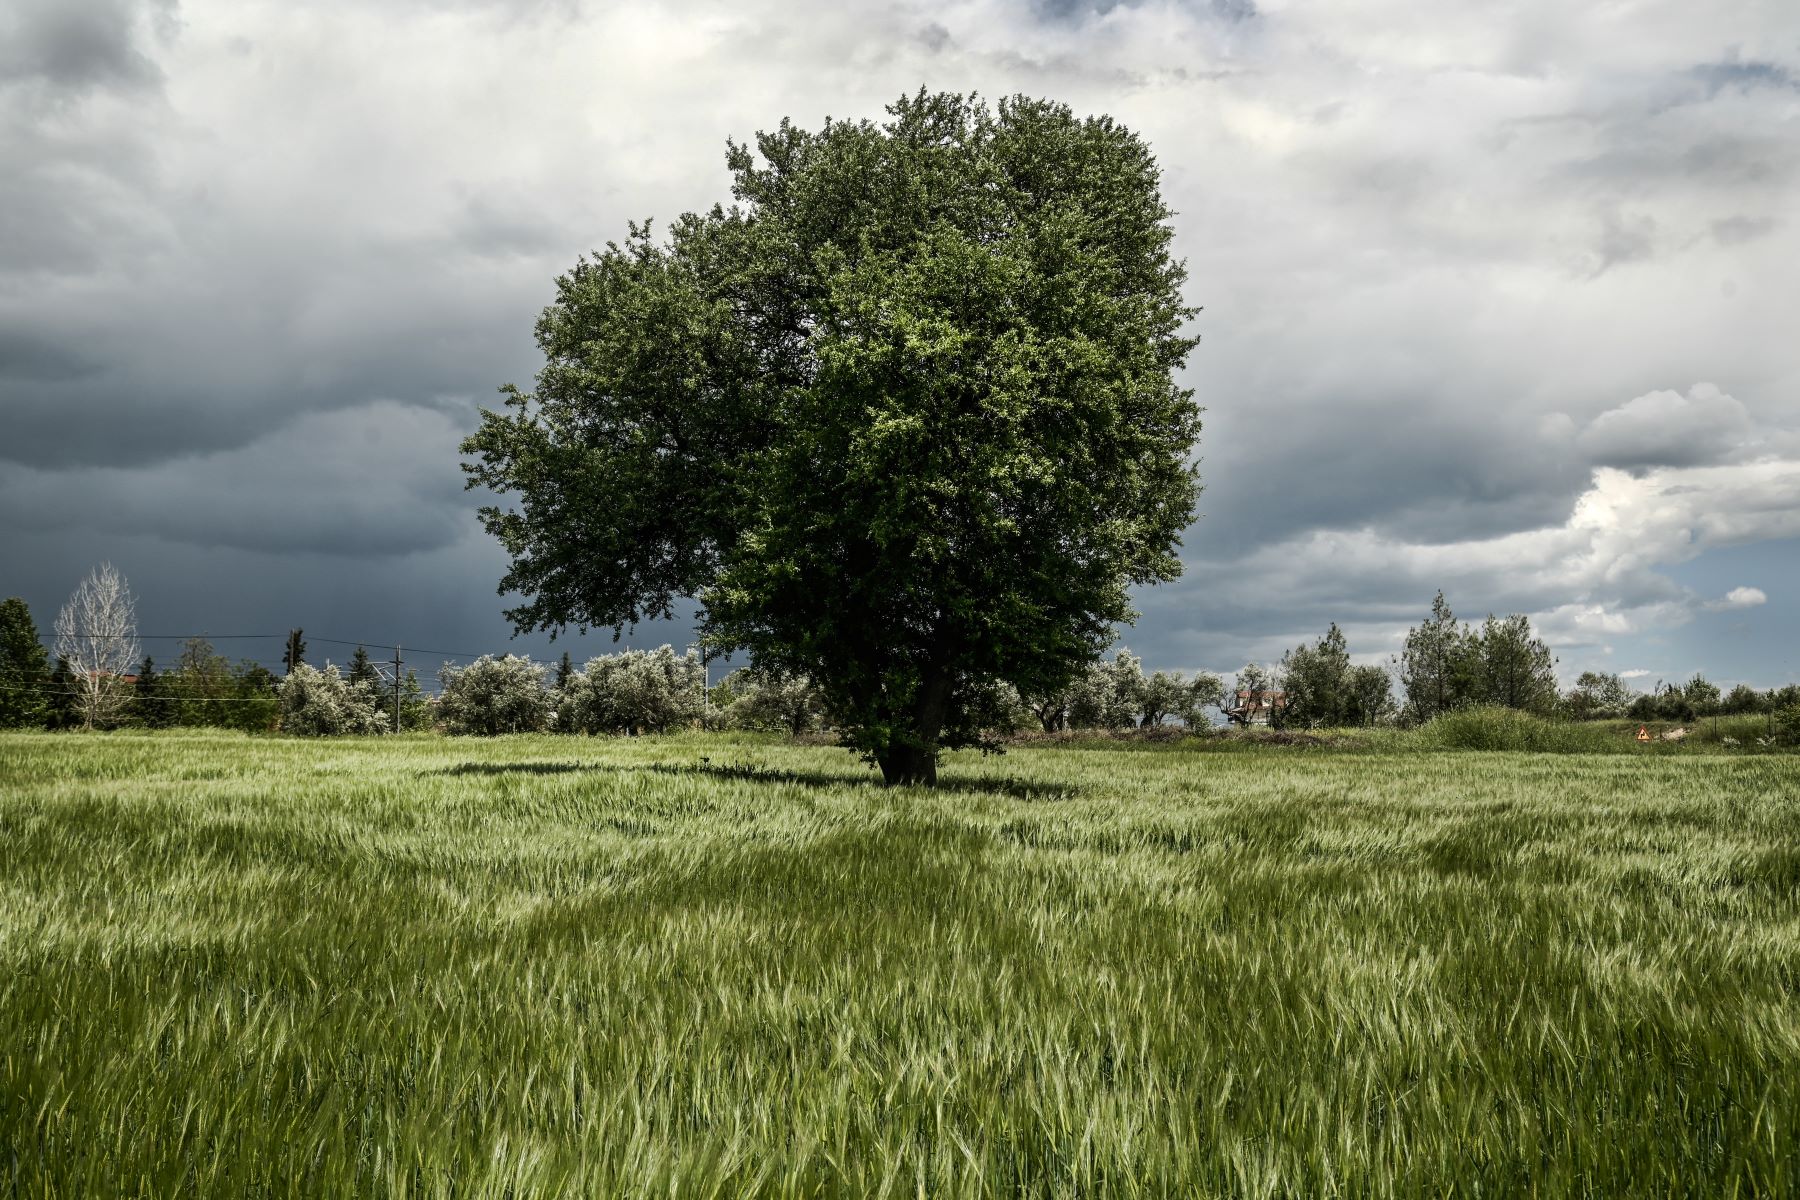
(1438, 666)
(201, 686)
(24, 668)
(902, 418)
(1513, 667)
(1319, 682)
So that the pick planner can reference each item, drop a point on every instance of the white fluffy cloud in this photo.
(1740, 597)
(1597, 576)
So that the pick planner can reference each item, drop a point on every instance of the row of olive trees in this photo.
(1598, 695)
(1115, 693)
(637, 691)
(653, 691)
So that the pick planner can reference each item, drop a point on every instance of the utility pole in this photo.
(396, 689)
(705, 680)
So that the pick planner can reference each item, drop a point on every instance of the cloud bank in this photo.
(1495, 297)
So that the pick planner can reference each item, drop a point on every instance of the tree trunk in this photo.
(908, 766)
(911, 756)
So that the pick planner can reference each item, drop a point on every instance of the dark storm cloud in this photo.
(36, 358)
(230, 378)
(80, 44)
(374, 480)
(1424, 463)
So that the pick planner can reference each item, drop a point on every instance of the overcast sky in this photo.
(1499, 297)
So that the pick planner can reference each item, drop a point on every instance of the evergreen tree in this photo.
(1437, 667)
(24, 668)
(1511, 667)
(64, 707)
(257, 708)
(296, 651)
(415, 709)
(1317, 680)
(364, 676)
(150, 701)
(363, 671)
(565, 681)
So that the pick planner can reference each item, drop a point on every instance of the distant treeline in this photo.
(1445, 666)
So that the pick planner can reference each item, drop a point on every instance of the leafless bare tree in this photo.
(97, 632)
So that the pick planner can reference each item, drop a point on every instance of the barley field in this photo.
(717, 966)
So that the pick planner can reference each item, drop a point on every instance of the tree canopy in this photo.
(1447, 665)
(24, 667)
(902, 418)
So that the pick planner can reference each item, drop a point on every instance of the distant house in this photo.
(1255, 708)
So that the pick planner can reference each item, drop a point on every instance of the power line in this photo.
(365, 645)
(176, 637)
(49, 688)
(310, 638)
(49, 691)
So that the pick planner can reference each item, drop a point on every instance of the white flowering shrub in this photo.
(494, 695)
(317, 703)
(1110, 695)
(772, 700)
(638, 691)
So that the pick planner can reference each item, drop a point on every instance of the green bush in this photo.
(1787, 726)
(1494, 728)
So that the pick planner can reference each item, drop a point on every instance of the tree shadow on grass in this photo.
(1017, 788)
(521, 768)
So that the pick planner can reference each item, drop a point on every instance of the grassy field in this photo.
(696, 966)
